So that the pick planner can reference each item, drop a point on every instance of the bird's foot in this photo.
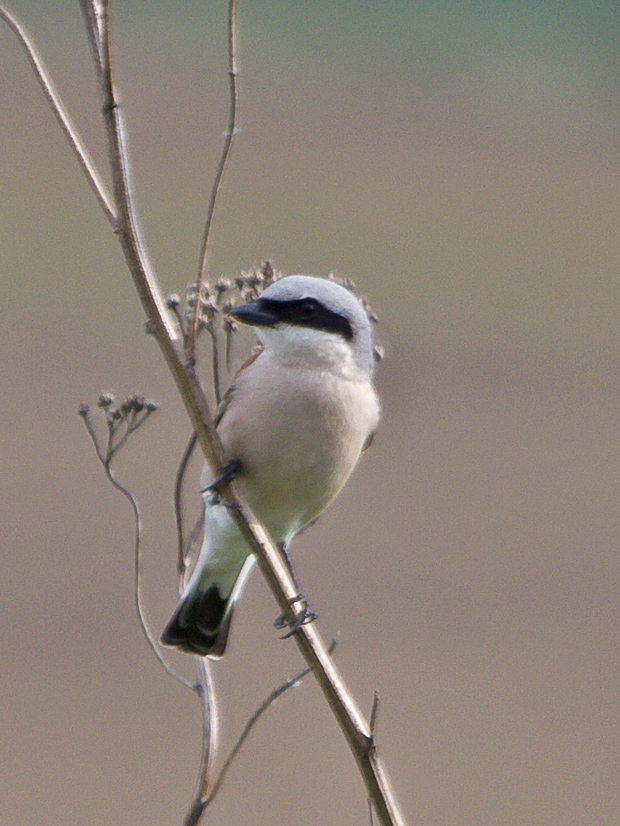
(305, 617)
(227, 473)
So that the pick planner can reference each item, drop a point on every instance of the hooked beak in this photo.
(256, 314)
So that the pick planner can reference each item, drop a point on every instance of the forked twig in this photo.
(164, 326)
(205, 799)
(125, 420)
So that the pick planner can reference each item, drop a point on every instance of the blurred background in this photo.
(461, 161)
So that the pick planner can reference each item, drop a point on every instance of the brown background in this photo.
(462, 164)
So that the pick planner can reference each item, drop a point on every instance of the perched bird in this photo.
(294, 423)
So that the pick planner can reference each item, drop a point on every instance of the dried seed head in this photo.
(268, 272)
(173, 301)
(222, 285)
(254, 278)
(248, 296)
(133, 404)
(207, 309)
(105, 400)
(369, 311)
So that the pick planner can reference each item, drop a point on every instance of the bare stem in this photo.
(346, 711)
(105, 457)
(374, 712)
(204, 687)
(215, 364)
(228, 141)
(206, 797)
(353, 724)
(178, 504)
(62, 115)
(93, 15)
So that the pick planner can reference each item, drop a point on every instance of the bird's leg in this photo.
(306, 615)
(227, 473)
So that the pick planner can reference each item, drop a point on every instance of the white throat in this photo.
(307, 348)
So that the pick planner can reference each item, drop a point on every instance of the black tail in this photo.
(200, 624)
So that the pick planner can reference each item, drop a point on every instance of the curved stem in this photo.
(178, 505)
(228, 141)
(62, 115)
(169, 337)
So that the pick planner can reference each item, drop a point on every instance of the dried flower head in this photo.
(222, 285)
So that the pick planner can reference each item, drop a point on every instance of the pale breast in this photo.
(298, 435)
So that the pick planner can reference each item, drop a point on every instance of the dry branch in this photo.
(121, 213)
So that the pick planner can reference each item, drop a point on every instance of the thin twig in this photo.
(105, 457)
(84, 412)
(204, 682)
(178, 504)
(165, 328)
(349, 717)
(229, 329)
(374, 711)
(62, 115)
(228, 141)
(215, 363)
(92, 13)
(351, 720)
(204, 687)
(207, 797)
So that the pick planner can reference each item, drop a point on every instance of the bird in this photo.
(293, 425)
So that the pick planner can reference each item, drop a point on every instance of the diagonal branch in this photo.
(208, 792)
(313, 648)
(247, 729)
(93, 15)
(61, 113)
(169, 337)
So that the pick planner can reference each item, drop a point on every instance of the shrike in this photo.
(295, 421)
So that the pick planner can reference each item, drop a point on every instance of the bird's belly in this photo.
(295, 491)
(297, 455)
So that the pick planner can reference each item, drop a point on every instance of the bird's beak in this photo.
(255, 314)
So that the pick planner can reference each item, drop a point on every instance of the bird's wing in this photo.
(228, 395)
(369, 441)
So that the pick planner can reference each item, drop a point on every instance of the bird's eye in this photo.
(307, 309)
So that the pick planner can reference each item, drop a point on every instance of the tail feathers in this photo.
(201, 623)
